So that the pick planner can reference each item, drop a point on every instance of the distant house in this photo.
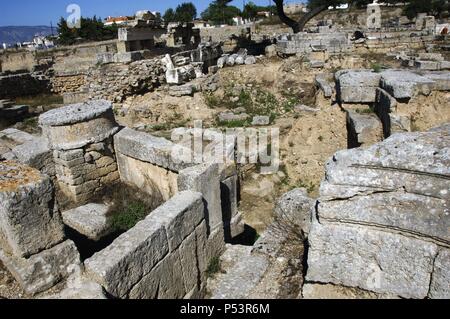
(238, 21)
(340, 7)
(117, 20)
(200, 24)
(295, 8)
(263, 14)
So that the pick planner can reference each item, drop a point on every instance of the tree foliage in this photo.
(92, 29)
(220, 12)
(413, 7)
(169, 15)
(185, 12)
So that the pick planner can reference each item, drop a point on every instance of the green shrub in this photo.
(129, 217)
(214, 266)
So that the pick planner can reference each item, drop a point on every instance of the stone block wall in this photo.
(67, 83)
(165, 255)
(80, 136)
(114, 82)
(309, 42)
(24, 84)
(382, 220)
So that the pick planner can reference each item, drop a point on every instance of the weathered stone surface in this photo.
(130, 257)
(158, 182)
(204, 178)
(242, 278)
(370, 259)
(357, 86)
(165, 281)
(427, 65)
(90, 220)
(386, 211)
(364, 129)
(329, 291)
(80, 289)
(147, 148)
(77, 125)
(295, 207)
(441, 80)
(325, 82)
(182, 90)
(250, 60)
(76, 113)
(417, 162)
(384, 107)
(188, 259)
(42, 271)
(230, 116)
(261, 120)
(440, 282)
(404, 84)
(304, 108)
(415, 214)
(37, 154)
(28, 220)
(179, 216)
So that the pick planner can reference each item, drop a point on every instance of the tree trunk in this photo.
(284, 18)
(297, 26)
(308, 16)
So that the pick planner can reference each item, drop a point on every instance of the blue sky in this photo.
(41, 12)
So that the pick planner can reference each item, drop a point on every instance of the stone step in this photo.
(90, 220)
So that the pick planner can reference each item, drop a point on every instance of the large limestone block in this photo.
(239, 282)
(45, 269)
(148, 148)
(204, 178)
(403, 84)
(28, 220)
(179, 216)
(165, 281)
(131, 256)
(295, 208)
(90, 220)
(160, 183)
(409, 213)
(189, 264)
(77, 125)
(440, 283)
(418, 162)
(357, 86)
(36, 153)
(364, 129)
(370, 259)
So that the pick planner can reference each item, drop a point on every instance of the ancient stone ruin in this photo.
(193, 161)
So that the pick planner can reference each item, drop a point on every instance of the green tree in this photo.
(67, 35)
(318, 6)
(185, 12)
(169, 15)
(91, 29)
(251, 11)
(220, 12)
(432, 7)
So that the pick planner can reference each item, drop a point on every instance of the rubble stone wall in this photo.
(25, 84)
(68, 83)
(115, 81)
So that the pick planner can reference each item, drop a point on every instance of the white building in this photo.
(4, 46)
(295, 8)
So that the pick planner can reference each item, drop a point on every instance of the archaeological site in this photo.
(228, 152)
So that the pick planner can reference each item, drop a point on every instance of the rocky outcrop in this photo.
(382, 220)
